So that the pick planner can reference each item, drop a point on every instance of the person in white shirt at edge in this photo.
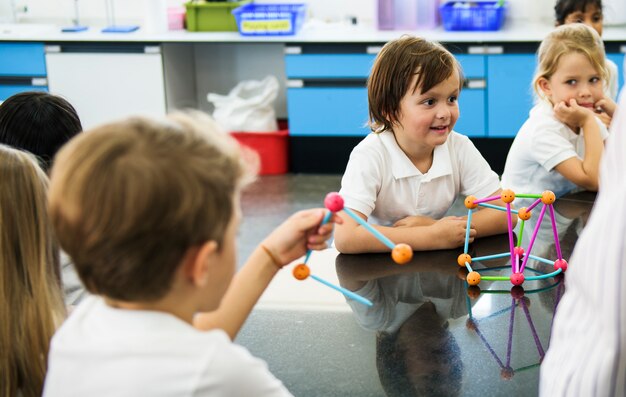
(560, 145)
(407, 173)
(587, 354)
(149, 211)
(590, 12)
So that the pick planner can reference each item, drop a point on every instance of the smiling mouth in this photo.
(586, 105)
(440, 129)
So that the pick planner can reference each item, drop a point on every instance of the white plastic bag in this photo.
(248, 107)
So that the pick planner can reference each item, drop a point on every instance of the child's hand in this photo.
(299, 233)
(605, 106)
(571, 113)
(450, 231)
(415, 220)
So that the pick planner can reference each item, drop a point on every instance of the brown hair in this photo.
(128, 199)
(31, 304)
(567, 39)
(392, 73)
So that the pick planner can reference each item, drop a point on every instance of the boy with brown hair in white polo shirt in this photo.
(407, 174)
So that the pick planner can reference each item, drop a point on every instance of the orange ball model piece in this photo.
(548, 197)
(507, 196)
(301, 272)
(524, 214)
(473, 278)
(469, 202)
(402, 253)
(464, 258)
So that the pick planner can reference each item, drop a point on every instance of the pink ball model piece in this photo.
(517, 278)
(334, 202)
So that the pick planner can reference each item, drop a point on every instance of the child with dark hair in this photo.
(39, 123)
(407, 173)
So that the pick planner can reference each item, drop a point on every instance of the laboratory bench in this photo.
(322, 72)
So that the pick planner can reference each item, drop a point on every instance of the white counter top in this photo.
(513, 31)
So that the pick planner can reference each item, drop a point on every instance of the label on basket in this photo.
(276, 25)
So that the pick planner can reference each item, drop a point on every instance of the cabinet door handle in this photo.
(293, 50)
(39, 81)
(622, 49)
(485, 49)
(295, 83)
(476, 84)
(50, 49)
(373, 49)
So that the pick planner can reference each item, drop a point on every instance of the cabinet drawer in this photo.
(473, 65)
(22, 59)
(324, 111)
(328, 65)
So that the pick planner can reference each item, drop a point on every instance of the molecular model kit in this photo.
(519, 256)
(400, 253)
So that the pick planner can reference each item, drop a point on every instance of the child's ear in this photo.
(200, 265)
(544, 86)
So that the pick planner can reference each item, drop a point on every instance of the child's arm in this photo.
(449, 232)
(288, 242)
(583, 172)
(488, 221)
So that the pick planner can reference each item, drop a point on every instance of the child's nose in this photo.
(584, 91)
(443, 112)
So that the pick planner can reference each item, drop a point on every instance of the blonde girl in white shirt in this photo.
(560, 145)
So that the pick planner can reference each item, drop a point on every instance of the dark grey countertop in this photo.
(426, 334)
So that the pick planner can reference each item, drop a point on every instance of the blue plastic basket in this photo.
(463, 15)
(269, 19)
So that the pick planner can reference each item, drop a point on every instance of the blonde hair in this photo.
(567, 39)
(31, 304)
(128, 199)
(393, 71)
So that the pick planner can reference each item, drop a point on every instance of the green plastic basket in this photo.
(205, 16)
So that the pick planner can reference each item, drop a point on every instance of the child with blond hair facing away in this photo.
(149, 211)
(560, 145)
(407, 173)
(31, 303)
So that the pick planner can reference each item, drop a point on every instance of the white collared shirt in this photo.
(541, 144)
(381, 182)
(587, 354)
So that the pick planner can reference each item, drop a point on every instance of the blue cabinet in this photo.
(509, 92)
(22, 68)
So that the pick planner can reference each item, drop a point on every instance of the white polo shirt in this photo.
(541, 144)
(587, 354)
(382, 183)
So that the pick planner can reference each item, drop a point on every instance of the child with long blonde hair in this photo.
(560, 145)
(31, 304)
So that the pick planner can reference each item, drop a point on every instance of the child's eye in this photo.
(429, 102)
(594, 79)
(570, 82)
(452, 99)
